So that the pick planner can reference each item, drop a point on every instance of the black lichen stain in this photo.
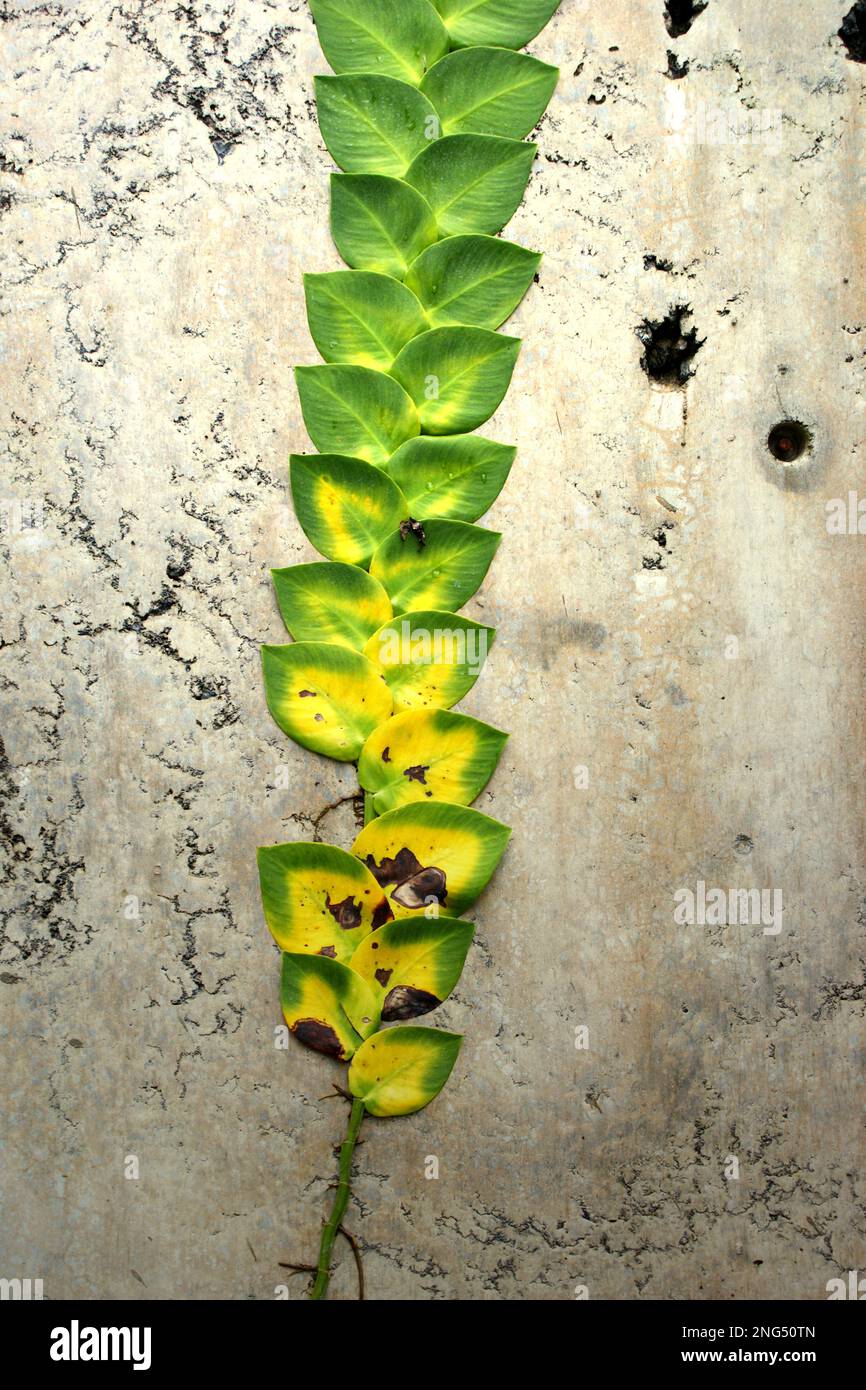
(319, 1036)
(676, 68)
(680, 15)
(405, 1002)
(383, 975)
(853, 32)
(669, 348)
(416, 774)
(346, 914)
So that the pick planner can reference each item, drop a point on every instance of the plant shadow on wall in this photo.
(425, 116)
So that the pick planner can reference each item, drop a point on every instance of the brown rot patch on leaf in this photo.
(306, 694)
(411, 527)
(386, 754)
(416, 885)
(406, 1002)
(416, 774)
(396, 870)
(346, 914)
(319, 1036)
(329, 951)
(383, 976)
(422, 888)
(382, 913)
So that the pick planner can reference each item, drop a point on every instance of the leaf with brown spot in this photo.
(439, 752)
(415, 965)
(327, 1006)
(306, 892)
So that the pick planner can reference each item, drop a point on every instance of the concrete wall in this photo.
(680, 662)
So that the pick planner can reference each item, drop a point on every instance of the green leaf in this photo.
(323, 602)
(489, 91)
(373, 124)
(400, 1070)
(432, 854)
(360, 317)
(428, 753)
(473, 183)
(430, 659)
(413, 965)
(443, 573)
(451, 476)
(345, 506)
(355, 411)
(457, 377)
(327, 1006)
(379, 223)
(399, 38)
(507, 23)
(319, 900)
(476, 280)
(325, 697)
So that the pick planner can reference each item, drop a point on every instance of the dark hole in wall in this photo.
(669, 347)
(680, 15)
(788, 441)
(853, 32)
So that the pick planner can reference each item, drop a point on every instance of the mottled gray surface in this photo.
(163, 186)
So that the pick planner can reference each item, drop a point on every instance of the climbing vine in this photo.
(425, 116)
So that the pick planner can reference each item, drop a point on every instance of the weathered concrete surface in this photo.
(164, 185)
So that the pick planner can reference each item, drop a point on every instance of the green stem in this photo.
(369, 809)
(341, 1201)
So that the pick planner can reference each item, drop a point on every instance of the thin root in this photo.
(356, 1251)
(337, 1094)
(298, 1269)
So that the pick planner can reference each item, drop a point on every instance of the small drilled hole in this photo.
(788, 441)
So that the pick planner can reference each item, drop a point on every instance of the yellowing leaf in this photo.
(456, 376)
(360, 317)
(379, 223)
(450, 477)
(431, 854)
(319, 900)
(428, 753)
(355, 411)
(327, 1006)
(475, 280)
(429, 659)
(400, 1070)
(325, 697)
(346, 506)
(472, 183)
(323, 602)
(411, 966)
(443, 573)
